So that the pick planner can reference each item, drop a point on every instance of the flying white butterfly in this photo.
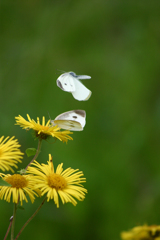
(72, 120)
(69, 82)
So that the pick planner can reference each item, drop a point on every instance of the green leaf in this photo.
(31, 151)
(4, 183)
(20, 207)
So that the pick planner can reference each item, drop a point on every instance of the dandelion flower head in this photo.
(142, 233)
(43, 131)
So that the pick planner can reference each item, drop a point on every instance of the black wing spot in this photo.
(80, 112)
(74, 116)
(65, 83)
(59, 85)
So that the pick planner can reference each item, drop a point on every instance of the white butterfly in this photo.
(72, 120)
(69, 82)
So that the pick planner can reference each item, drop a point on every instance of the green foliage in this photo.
(20, 207)
(4, 183)
(31, 151)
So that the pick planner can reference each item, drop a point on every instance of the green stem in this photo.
(13, 221)
(37, 152)
(9, 227)
(34, 214)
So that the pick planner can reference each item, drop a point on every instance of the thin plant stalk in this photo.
(34, 214)
(37, 152)
(9, 227)
(13, 221)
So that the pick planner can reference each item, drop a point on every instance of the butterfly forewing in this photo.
(66, 82)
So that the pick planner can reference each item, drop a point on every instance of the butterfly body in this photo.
(71, 120)
(69, 82)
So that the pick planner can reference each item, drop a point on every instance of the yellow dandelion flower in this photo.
(20, 186)
(44, 130)
(65, 184)
(10, 154)
(142, 233)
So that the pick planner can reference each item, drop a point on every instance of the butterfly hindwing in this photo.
(69, 125)
(81, 93)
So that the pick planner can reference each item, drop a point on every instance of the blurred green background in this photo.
(117, 43)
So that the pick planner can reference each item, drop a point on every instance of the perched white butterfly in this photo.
(72, 120)
(69, 82)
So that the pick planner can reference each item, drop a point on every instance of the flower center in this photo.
(17, 181)
(56, 181)
(42, 132)
(44, 128)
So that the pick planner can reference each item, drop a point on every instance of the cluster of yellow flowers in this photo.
(142, 233)
(38, 179)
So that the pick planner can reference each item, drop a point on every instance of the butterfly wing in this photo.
(66, 82)
(71, 120)
(83, 77)
(81, 93)
(68, 125)
(79, 76)
(69, 82)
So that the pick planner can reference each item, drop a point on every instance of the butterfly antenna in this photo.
(58, 70)
(49, 116)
